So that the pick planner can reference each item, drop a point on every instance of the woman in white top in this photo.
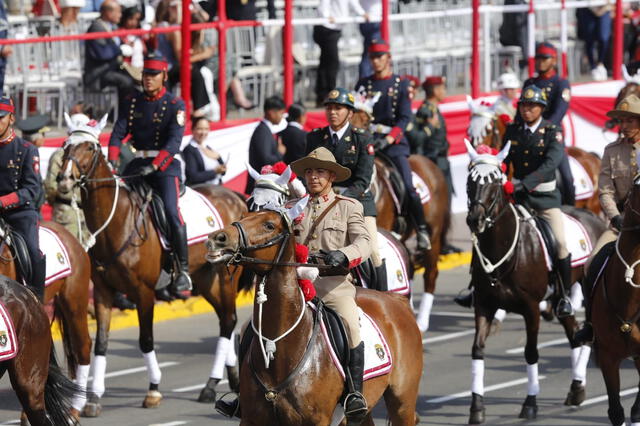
(202, 163)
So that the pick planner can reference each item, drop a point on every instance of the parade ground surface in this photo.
(185, 347)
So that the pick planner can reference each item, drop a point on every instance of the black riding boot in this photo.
(355, 406)
(422, 230)
(585, 334)
(121, 302)
(381, 276)
(182, 280)
(232, 408)
(465, 297)
(563, 308)
(39, 270)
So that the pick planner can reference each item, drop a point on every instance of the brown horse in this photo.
(301, 385)
(615, 308)
(436, 212)
(70, 296)
(128, 257)
(43, 390)
(486, 128)
(509, 272)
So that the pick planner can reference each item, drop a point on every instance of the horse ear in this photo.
(67, 119)
(505, 151)
(103, 122)
(252, 172)
(470, 149)
(625, 74)
(472, 106)
(295, 211)
(283, 180)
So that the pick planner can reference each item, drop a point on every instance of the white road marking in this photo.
(448, 336)
(176, 423)
(486, 389)
(601, 398)
(128, 371)
(453, 314)
(554, 342)
(196, 387)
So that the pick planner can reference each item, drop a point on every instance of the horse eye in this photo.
(269, 226)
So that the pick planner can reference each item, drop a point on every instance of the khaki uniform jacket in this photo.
(341, 229)
(63, 212)
(619, 166)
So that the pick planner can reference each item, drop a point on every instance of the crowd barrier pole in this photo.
(531, 38)
(287, 50)
(564, 36)
(617, 42)
(475, 49)
(185, 60)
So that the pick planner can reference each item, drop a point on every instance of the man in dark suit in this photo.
(263, 148)
(294, 136)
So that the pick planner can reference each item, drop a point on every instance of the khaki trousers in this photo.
(606, 237)
(339, 294)
(554, 217)
(372, 229)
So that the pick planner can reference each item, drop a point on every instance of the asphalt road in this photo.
(185, 346)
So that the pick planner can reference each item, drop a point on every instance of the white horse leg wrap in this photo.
(533, 385)
(576, 296)
(99, 369)
(82, 376)
(499, 315)
(217, 370)
(153, 369)
(232, 358)
(543, 305)
(425, 311)
(580, 366)
(477, 376)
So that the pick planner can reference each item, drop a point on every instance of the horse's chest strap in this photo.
(626, 326)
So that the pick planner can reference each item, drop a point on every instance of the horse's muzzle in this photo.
(218, 247)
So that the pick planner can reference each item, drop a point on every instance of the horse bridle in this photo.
(488, 220)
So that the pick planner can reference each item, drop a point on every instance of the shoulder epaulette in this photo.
(342, 197)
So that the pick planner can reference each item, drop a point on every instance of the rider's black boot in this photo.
(422, 230)
(228, 409)
(585, 333)
(39, 270)
(465, 298)
(121, 302)
(355, 406)
(563, 308)
(182, 280)
(381, 276)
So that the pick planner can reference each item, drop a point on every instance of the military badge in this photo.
(350, 97)
(36, 164)
(624, 106)
(541, 130)
(583, 244)
(529, 94)
(3, 338)
(399, 275)
(370, 150)
(210, 221)
(352, 150)
(60, 258)
(380, 352)
(347, 139)
(566, 95)
(559, 136)
(333, 94)
(180, 117)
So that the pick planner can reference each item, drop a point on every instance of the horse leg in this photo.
(610, 367)
(28, 375)
(401, 408)
(145, 302)
(103, 301)
(483, 325)
(222, 297)
(532, 322)
(429, 277)
(635, 409)
(579, 360)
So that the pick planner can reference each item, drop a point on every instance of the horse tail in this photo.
(63, 324)
(59, 390)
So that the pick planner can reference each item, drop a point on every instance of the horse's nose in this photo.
(221, 239)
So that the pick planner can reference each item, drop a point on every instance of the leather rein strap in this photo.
(318, 220)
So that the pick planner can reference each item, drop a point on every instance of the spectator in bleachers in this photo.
(5, 51)
(327, 36)
(238, 10)
(264, 147)
(513, 31)
(594, 27)
(103, 56)
(294, 137)
(370, 31)
(130, 20)
(203, 164)
(69, 10)
(508, 85)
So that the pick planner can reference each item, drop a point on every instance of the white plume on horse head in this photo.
(486, 167)
(82, 130)
(635, 79)
(295, 211)
(481, 121)
(365, 103)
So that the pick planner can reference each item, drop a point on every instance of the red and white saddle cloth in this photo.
(377, 357)
(397, 276)
(581, 180)
(421, 188)
(199, 215)
(8, 338)
(58, 262)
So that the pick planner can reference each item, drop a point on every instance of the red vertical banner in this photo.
(531, 40)
(617, 42)
(222, 60)
(384, 25)
(563, 39)
(475, 49)
(287, 46)
(185, 59)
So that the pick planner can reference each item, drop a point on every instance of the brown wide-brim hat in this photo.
(628, 107)
(321, 158)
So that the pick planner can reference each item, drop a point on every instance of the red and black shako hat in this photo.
(6, 106)
(155, 63)
(379, 47)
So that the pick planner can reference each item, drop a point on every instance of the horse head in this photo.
(81, 158)
(482, 123)
(363, 112)
(485, 195)
(273, 187)
(258, 236)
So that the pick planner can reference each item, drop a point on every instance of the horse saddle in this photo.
(365, 275)
(19, 248)
(544, 230)
(8, 337)
(395, 179)
(598, 263)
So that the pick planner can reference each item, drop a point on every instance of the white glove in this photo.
(126, 50)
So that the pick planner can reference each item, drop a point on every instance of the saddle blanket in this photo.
(421, 188)
(581, 180)
(58, 262)
(578, 242)
(8, 338)
(199, 215)
(397, 276)
(377, 357)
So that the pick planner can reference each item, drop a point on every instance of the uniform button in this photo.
(526, 164)
(314, 236)
(526, 151)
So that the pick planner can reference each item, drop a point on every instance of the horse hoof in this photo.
(577, 394)
(476, 417)
(529, 412)
(234, 378)
(91, 409)
(495, 327)
(24, 421)
(152, 400)
(207, 395)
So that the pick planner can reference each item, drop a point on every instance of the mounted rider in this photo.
(508, 85)
(155, 119)
(334, 225)
(352, 149)
(20, 189)
(619, 167)
(392, 114)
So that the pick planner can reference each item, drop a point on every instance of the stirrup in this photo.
(357, 414)
(228, 409)
(464, 300)
(423, 240)
(563, 308)
(179, 284)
